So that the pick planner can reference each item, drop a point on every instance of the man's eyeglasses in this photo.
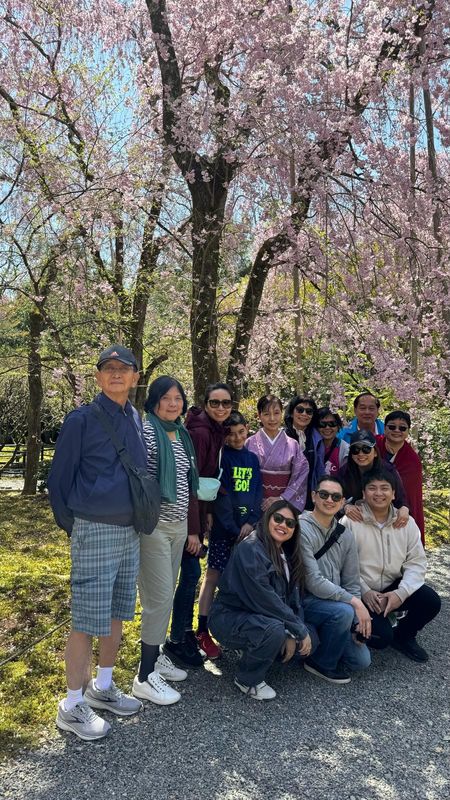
(324, 495)
(114, 368)
(356, 449)
(303, 410)
(288, 521)
(328, 425)
(224, 403)
(401, 428)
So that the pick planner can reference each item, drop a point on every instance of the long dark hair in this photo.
(291, 549)
(352, 476)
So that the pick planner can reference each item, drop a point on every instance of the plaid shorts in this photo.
(105, 564)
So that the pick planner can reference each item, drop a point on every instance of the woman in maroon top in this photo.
(336, 450)
(207, 431)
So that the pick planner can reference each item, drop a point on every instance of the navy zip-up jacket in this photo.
(87, 478)
(251, 584)
(240, 497)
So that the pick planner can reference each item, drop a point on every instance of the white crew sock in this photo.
(104, 678)
(74, 696)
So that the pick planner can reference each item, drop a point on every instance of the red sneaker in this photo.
(208, 645)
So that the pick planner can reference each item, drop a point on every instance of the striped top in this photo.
(170, 511)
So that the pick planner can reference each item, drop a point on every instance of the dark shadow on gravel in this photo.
(385, 736)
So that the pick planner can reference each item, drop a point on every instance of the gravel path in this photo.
(385, 736)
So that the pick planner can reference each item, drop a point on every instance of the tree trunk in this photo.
(139, 395)
(34, 404)
(249, 309)
(207, 228)
(144, 282)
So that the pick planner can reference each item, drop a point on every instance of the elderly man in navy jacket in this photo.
(90, 497)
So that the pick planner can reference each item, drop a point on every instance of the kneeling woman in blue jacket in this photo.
(258, 609)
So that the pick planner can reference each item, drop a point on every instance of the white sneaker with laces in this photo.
(82, 721)
(260, 692)
(156, 690)
(167, 669)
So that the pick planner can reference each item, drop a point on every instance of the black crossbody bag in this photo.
(335, 536)
(144, 489)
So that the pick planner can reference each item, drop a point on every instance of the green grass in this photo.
(34, 598)
(437, 519)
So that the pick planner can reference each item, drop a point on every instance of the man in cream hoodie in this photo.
(392, 566)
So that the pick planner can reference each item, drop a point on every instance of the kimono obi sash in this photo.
(274, 483)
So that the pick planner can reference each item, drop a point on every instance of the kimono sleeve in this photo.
(295, 491)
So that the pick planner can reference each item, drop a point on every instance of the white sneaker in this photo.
(260, 692)
(82, 721)
(155, 689)
(168, 670)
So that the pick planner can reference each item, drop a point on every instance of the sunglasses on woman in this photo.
(288, 521)
(401, 428)
(327, 424)
(324, 495)
(303, 410)
(356, 449)
(224, 403)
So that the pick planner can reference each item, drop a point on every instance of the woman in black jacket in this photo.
(300, 419)
(258, 608)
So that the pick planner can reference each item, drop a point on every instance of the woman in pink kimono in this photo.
(284, 468)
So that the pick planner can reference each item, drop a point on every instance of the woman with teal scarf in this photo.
(171, 460)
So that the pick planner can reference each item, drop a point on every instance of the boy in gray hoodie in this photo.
(333, 599)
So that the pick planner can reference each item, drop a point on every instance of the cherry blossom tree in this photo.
(208, 153)
(83, 187)
(249, 90)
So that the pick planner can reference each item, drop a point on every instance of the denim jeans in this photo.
(184, 598)
(333, 620)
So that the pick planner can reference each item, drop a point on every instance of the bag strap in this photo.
(118, 445)
(335, 536)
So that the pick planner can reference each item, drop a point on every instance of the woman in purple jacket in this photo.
(206, 427)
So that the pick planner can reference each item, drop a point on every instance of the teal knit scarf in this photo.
(166, 472)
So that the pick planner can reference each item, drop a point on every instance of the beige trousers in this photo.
(159, 565)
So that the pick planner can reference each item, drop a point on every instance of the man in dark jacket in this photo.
(90, 497)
